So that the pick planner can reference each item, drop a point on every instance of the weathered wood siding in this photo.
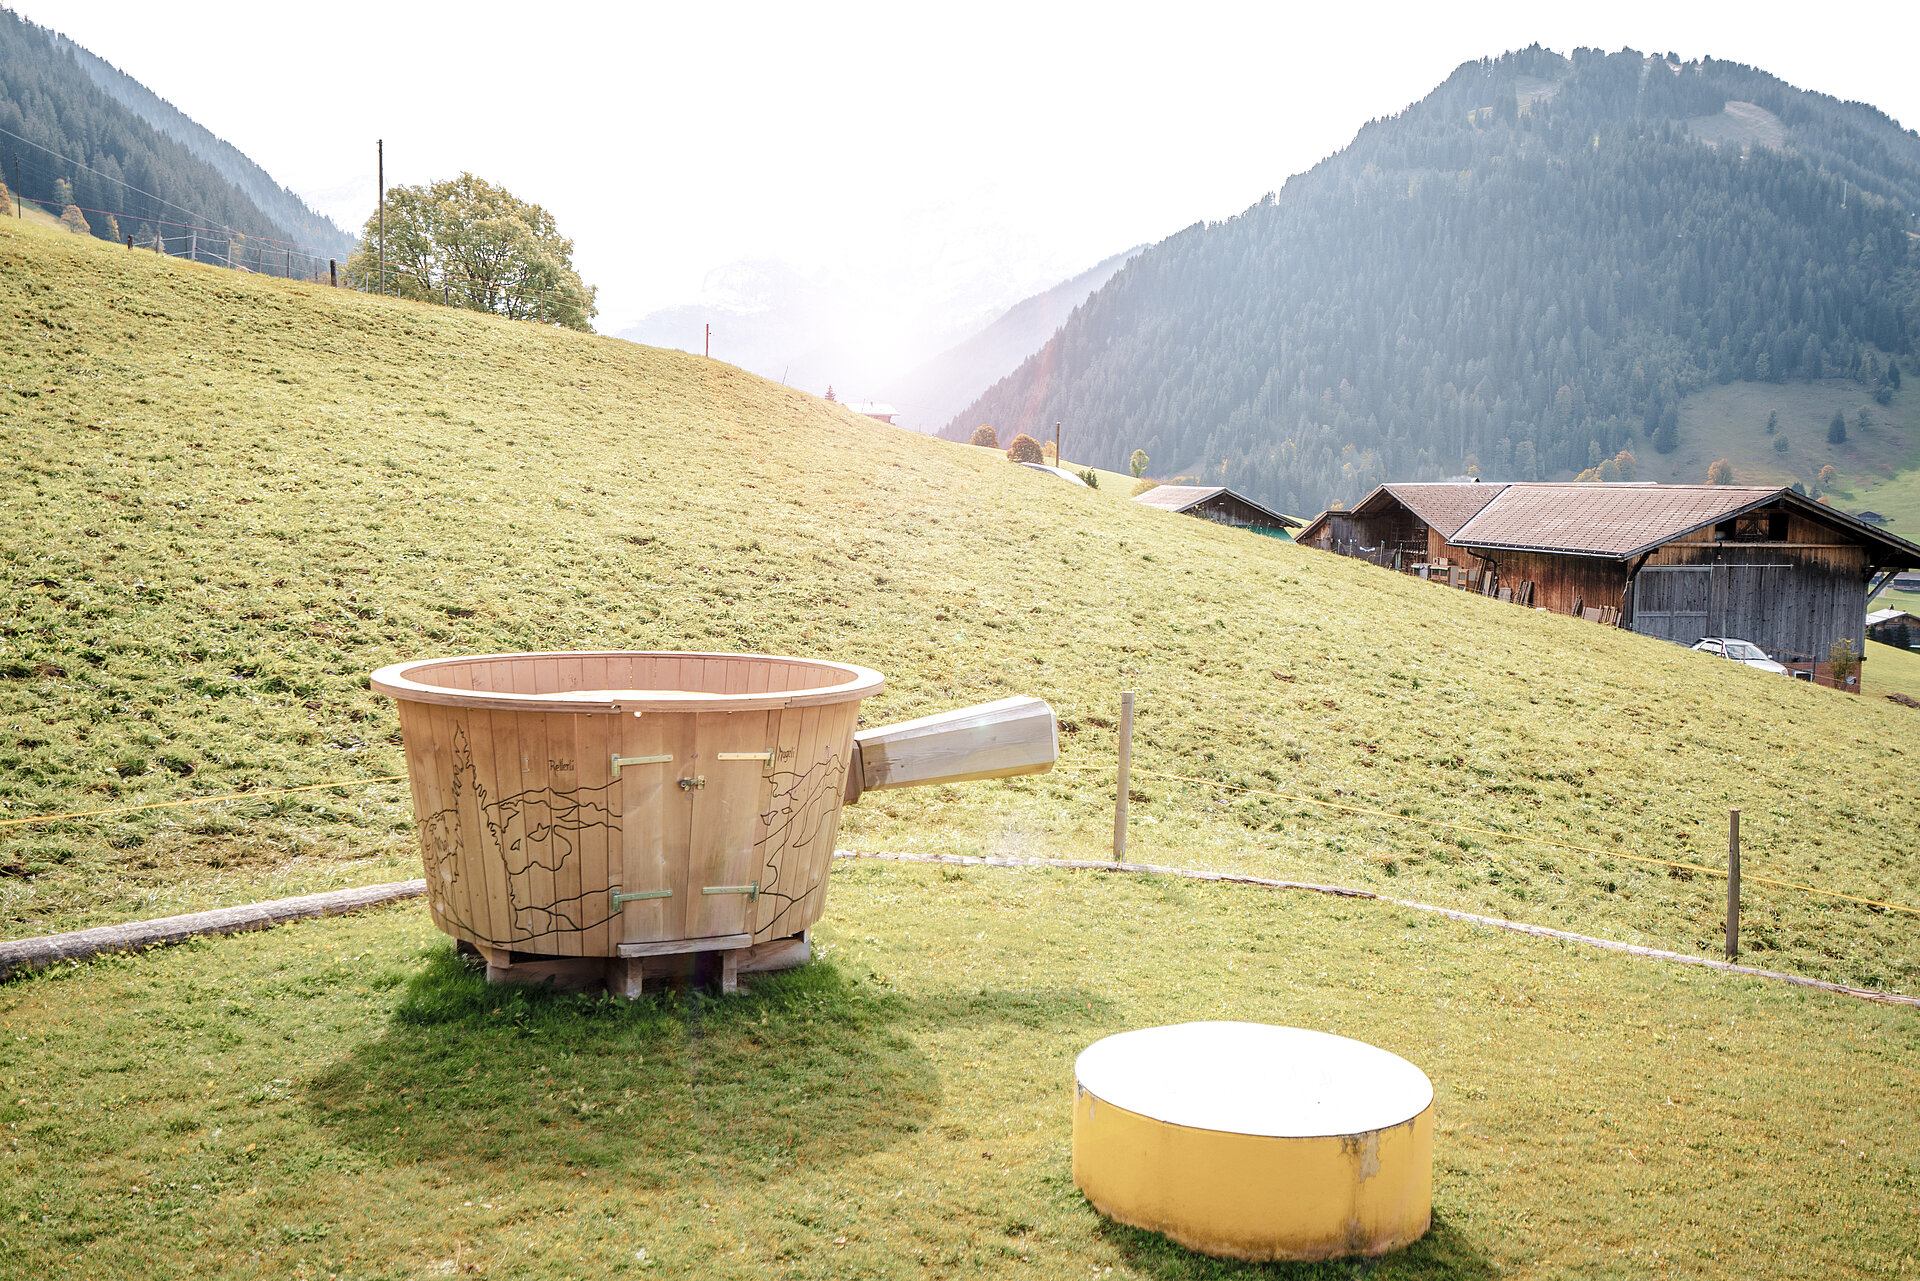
(1560, 581)
(1794, 597)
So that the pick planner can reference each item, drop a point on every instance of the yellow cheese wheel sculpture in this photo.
(1255, 1142)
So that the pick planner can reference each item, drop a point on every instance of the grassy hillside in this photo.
(1878, 468)
(228, 498)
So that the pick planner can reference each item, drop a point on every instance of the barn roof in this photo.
(1443, 505)
(1621, 521)
(1180, 498)
(1880, 616)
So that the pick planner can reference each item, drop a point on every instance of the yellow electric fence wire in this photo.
(1508, 836)
(200, 800)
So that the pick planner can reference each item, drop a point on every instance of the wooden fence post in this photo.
(333, 273)
(1126, 770)
(1733, 884)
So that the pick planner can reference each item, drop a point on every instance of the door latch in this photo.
(691, 784)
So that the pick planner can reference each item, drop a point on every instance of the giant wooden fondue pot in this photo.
(581, 810)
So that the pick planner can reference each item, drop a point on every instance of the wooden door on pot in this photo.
(733, 757)
(655, 763)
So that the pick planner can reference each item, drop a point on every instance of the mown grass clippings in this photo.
(346, 1098)
(230, 498)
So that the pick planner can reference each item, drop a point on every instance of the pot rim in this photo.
(402, 681)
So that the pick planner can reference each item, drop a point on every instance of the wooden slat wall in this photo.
(1818, 598)
(535, 790)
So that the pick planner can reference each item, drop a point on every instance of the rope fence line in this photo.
(1496, 834)
(1635, 950)
(1505, 836)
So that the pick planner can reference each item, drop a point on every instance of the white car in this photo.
(1744, 652)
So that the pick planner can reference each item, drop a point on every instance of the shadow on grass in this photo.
(1445, 1253)
(805, 1067)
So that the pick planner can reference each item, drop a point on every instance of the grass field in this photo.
(342, 1099)
(1877, 468)
(228, 498)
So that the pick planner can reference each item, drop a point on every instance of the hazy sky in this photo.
(903, 146)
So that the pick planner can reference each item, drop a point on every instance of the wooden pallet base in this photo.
(662, 965)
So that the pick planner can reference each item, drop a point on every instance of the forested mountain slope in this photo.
(295, 219)
(149, 181)
(1523, 273)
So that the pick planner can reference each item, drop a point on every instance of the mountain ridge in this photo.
(1520, 274)
(931, 393)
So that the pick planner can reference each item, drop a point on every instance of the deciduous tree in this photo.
(1025, 449)
(1720, 472)
(985, 436)
(464, 242)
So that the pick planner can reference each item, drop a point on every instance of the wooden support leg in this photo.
(562, 973)
(625, 976)
(730, 971)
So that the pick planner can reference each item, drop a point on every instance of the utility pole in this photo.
(19, 211)
(1733, 884)
(381, 146)
(707, 351)
(1124, 780)
(1056, 446)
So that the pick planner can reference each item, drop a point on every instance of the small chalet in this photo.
(877, 410)
(1679, 562)
(1894, 627)
(1221, 505)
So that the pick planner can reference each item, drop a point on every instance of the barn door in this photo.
(1674, 602)
(732, 753)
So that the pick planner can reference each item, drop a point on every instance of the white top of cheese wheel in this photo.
(1254, 1078)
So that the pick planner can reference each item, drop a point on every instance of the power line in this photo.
(110, 178)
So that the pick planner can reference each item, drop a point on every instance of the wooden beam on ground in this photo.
(78, 945)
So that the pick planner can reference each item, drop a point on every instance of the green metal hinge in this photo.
(619, 898)
(619, 760)
(751, 891)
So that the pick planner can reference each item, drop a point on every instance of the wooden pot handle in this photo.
(993, 740)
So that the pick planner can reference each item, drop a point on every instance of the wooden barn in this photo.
(1682, 562)
(1401, 525)
(1678, 562)
(1221, 505)
(1894, 627)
